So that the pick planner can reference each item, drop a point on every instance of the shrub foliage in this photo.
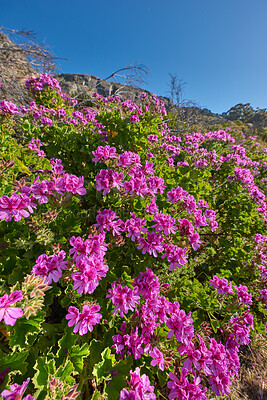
(133, 260)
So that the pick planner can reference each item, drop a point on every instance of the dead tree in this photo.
(37, 53)
(132, 75)
(185, 110)
(22, 55)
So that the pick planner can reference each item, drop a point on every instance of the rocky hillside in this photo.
(14, 68)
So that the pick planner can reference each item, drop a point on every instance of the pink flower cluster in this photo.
(151, 314)
(221, 284)
(123, 298)
(143, 185)
(176, 256)
(17, 206)
(243, 295)
(107, 178)
(104, 153)
(108, 221)
(88, 256)
(240, 327)
(8, 108)
(66, 183)
(41, 83)
(180, 325)
(35, 145)
(85, 320)
(139, 388)
(218, 363)
(50, 267)
(134, 227)
(183, 389)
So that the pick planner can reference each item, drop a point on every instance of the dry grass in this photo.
(252, 381)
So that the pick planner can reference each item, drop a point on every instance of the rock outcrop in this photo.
(81, 84)
(14, 68)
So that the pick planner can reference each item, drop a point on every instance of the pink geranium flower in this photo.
(85, 320)
(16, 392)
(158, 358)
(10, 314)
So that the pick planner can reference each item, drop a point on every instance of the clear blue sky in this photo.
(218, 47)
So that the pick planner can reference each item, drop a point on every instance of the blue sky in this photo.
(218, 47)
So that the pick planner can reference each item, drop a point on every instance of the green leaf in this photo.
(24, 332)
(44, 368)
(96, 395)
(116, 384)
(65, 371)
(65, 344)
(102, 370)
(215, 325)
(95, 348)
(77, 354)
(16, 361)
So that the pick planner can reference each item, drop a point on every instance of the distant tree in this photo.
(185, 110)
(246, 113)
(241, 112)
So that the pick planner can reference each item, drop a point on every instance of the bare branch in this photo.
(185, 110)
(40, 56)
(136, 74)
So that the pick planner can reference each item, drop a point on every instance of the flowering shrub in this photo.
(133, 261)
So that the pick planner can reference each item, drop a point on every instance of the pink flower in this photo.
(134, 226)
(140, 388)
(14, 206)
(194, 240)
(123, 298)
(107, 220)
(165, 223)
(50, 267)
(148, 285)
(158, 358)
(185, 227)
(16, 392)
(178, 194)
(155, 185)
(10, 314)
(57, 166)
(91, 270)
(7, 107)
(181, 325)
(136, 186)
(85, 320)
(182, 389)
(176, 256)
(152, 207)
(151, 244)
(193, 356)
(128, 158)
(243, 295)
(104, 153)
(134, 118)
(42, 189)
(74, 184)
(221, 284)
